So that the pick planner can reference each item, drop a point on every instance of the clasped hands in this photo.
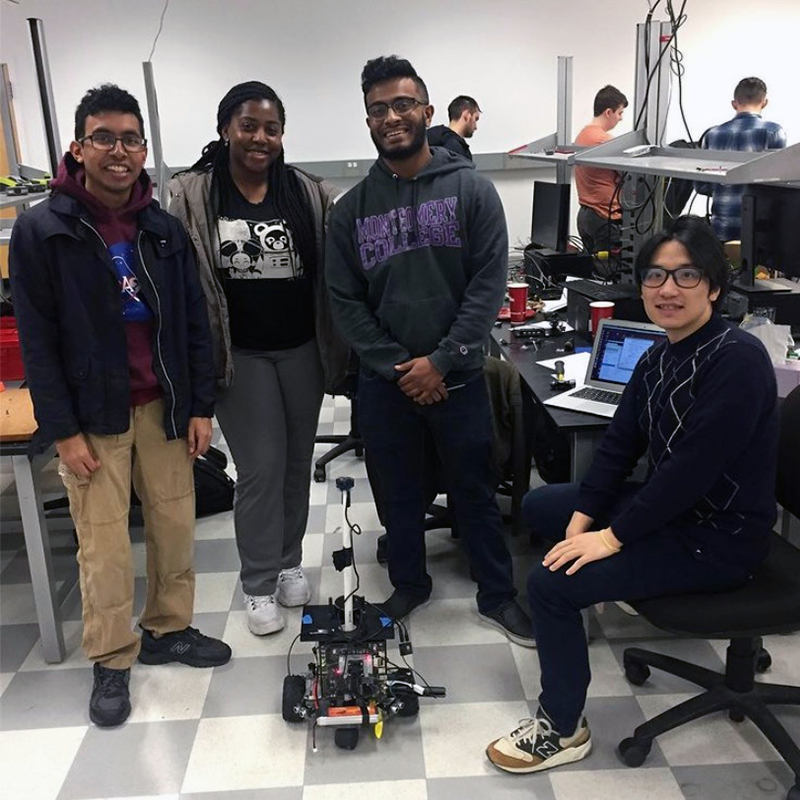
(421, 381)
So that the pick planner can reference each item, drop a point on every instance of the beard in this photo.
(403, 152)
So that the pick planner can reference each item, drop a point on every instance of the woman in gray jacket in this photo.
(258, 226)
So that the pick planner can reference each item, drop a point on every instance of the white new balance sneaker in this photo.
(293, 589)
(264, 615)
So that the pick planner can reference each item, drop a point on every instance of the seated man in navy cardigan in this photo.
(702, 406)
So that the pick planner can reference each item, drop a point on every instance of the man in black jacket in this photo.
(117, 354)
(463, 113)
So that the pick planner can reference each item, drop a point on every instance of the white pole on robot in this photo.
(349, 573)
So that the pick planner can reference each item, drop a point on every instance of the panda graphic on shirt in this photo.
(257, 250)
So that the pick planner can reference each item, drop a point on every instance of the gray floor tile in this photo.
(470, 673)
(216, 555)
(288, 793)
(501, 786)
(16, 642)
(46, 699)
(612, 719)
(396, 756)
(65, 566)
(140, 759)
(244, 686)
(762, 781)
(696, 651)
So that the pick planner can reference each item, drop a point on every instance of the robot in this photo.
(352, 683)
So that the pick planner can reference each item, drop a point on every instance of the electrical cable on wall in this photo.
(160, 26)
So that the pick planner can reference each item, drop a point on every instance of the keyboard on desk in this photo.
(597, 291)
(600, 395)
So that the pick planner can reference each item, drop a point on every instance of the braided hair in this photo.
(288, 196)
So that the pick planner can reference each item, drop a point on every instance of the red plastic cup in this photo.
(518, 292)
(600, 309)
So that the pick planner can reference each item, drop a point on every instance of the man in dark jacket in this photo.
(117, 355)
(463, 113)
(416, 266)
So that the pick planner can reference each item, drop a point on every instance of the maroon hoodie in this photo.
(118, 228)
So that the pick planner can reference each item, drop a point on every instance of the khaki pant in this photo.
(163, 478)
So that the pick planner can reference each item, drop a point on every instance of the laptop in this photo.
(618, 346)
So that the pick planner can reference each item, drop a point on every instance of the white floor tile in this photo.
(444, 622)
(217, 526)
(5, 679)
(402, 790)
(34, 763)
(622, 784)
(255, 752)
(214, 591)
(312, 549)
(168, 691)
(608, 677)
(455, 736)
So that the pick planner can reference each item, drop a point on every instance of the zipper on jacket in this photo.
(158, 332)
(158, 300)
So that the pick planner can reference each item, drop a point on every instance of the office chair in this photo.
(768, 604)
(344, 443)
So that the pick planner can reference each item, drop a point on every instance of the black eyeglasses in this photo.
(107, 141)
(400, 105)
(685, 277)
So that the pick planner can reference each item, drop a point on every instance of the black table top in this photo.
(538, 379)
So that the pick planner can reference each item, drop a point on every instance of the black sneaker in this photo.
(110, 703)
(188, 646)
(514, 623)
(536, 745)
(400, 604)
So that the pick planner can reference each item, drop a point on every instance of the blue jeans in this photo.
(649, 567)
(395, 431)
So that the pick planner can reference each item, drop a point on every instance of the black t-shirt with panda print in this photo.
(269, 291)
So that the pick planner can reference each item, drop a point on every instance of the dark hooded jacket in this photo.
(68, 306)
(418, 267)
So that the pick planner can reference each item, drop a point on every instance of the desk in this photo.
(583, 431)
(17, 426)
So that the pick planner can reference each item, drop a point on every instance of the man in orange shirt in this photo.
(599, 215)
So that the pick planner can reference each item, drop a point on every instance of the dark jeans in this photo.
(597, 233)
(395, 431)
(649, 567)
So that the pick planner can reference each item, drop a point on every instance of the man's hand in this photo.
(77, 456)
(422, 382)
(198, 435)
(582, 548)
(579, 523)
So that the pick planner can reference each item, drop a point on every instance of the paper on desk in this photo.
(541, 326)
(574, 366)
(556, 305)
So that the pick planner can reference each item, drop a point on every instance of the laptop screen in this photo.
(619, 349)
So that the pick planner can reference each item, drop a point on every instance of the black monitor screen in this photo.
(550, 224)
(770, 231)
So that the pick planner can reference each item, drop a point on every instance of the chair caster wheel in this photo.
(359, 451)
(763, 661)
(735, 716)
(633, 752)
(319, 475)
(794, 792)
(346, 738)
(636, 673)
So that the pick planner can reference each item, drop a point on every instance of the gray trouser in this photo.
(269, 418)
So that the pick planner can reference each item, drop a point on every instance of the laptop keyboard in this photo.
(597, 291)
(600, 395)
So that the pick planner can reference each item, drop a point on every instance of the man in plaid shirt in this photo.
(746, 132)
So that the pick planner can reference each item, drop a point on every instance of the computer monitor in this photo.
(550, 223)
(770, 231)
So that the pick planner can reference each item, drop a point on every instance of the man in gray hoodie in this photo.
(416, 265)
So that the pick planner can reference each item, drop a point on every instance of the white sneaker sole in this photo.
(567, 756)
(265, 628)
(293, 601)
